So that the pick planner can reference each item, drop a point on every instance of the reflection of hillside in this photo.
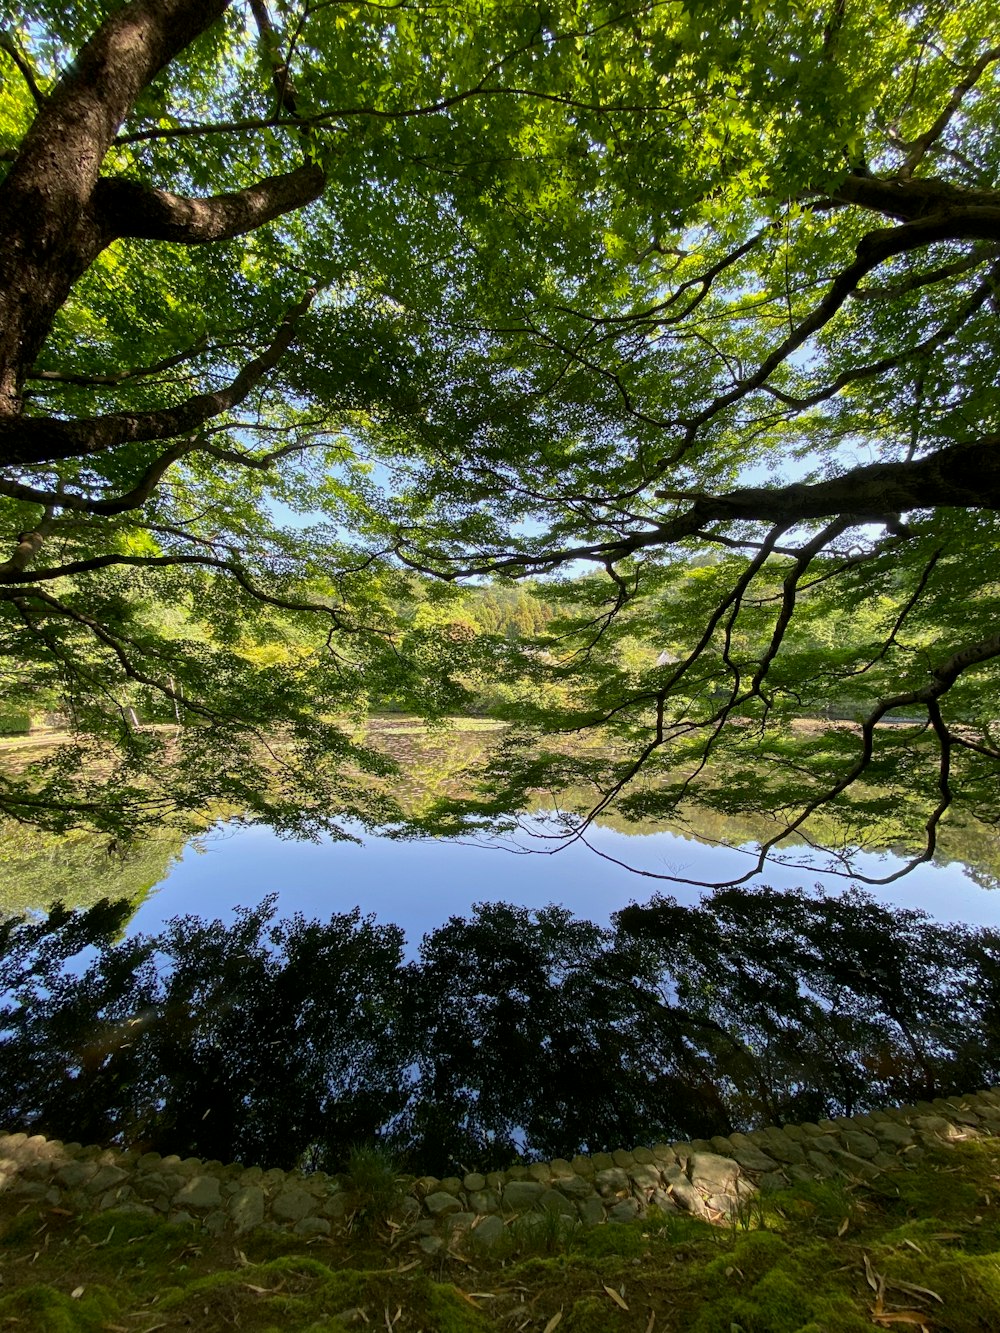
(444, 765)
(973, 843)
(37, 869)
(78, 869)
(435, 764)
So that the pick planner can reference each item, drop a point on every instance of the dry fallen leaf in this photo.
(615, 1297)
(875, 1280)
(912, 1317)
(652, 1321)
(914, 1290)
(76, 1293)
(554, 1322)
(843, 1226)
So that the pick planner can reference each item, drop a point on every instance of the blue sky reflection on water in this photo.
(419, 884)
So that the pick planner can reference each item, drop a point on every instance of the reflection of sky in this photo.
(419, 884)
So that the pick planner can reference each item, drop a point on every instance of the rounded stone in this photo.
(199, 1192)
(246, 1208)
(486, 1231)
(591, 1211)
(474, 1181)
(215, 1222)
(821, 1164)
(661, 1200)
(711, 1172)
(553, 1201)
(612, 1182)
(105, 1178)
(645, 1176)
(312, 1226)
(574, 1187)
(292, 1204)
(452, 1185)
(75, 1174)
(823, 1143)
(861, 1145)
(441, 1203)
(782, 1148)
(520, 1195)
(689, 1199)
(484, 1201)
(751, 1158)
(625, 1211)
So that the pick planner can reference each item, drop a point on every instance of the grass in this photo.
(919, 1248)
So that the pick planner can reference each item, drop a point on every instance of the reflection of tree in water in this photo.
(444, 766)
(438, 766)
(79, 868)
(290, 1041)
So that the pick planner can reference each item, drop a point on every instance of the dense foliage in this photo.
(296, 299)
(511, 1033)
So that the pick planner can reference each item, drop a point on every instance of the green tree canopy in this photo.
(499, 289)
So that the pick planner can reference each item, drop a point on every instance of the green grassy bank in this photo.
(918, 1247)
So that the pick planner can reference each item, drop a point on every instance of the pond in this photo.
(419, 884)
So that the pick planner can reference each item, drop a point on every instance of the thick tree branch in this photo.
(127, 208)
(945, 211)
(32, 440)
(965, 223)
(47, 237)
(963, 476)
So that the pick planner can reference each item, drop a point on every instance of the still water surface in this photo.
(419, 884)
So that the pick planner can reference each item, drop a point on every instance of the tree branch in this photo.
(127, 208)
(917, 150)
(8, 44)
(116, 377)
(33, 440)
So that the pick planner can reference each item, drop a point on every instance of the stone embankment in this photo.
(710, 1179)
